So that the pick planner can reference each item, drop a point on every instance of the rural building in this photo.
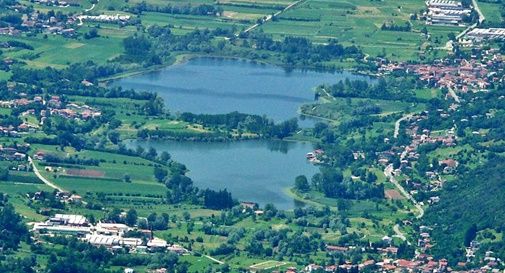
(480, 34)
(443, 12)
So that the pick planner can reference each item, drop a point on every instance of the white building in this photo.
(111, 229)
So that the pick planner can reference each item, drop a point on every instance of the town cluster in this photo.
(44, 107)
(476, 74)
(422, 262)
(55, 23)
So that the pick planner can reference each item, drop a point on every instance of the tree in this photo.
(371, 177)
(165, 156)
(137, 47)
(160, 173)
(154, 106)
(302, 184)
(127, 178)
(93, 33)
(217, 200)
(114, 215)
(423, 164)
(131, 217)
(151, 153)
(470, 234)
(12, 228)
(4, 174)
(113, 137)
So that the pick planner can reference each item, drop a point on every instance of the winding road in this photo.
(388, 172)
(92, 6)
(397, 124)
(399, 234)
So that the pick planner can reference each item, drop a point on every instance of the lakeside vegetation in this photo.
(352, 204)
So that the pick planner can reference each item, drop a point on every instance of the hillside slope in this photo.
(477, 197)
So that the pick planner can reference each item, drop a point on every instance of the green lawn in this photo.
(4, 75)
(492, 12)
(58, 52)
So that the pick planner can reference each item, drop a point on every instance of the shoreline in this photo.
(186, 57)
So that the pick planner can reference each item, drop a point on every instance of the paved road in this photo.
(330, 97)
(397, 124)
(481, 19)
(37, 173)
(388, 172)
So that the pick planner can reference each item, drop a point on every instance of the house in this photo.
(39, 155)
(449, 165)
(103, 240)
(177, 249)
(248, 205)
(69, 220)
(336, 248)
(60, 229)
(111, 229)
(157, 243)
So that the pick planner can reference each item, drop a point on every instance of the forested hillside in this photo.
(474, 202)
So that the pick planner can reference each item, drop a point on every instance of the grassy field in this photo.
(131, 113)
(107, 179)
(492, 12)
(341, 109)
(58, 52)
(351, 23)
(356, 22)
(4, 75)
(17, 197)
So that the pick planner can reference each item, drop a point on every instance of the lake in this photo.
(258, 171)
(217, 86)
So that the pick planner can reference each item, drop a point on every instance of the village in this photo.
(41, 108)
(462, 75)
(56, 23)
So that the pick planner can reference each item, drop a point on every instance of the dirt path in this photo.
(92, 7)
(453, 94)
(399, 234)
(269, 17)
(37, 173)
(213, 259)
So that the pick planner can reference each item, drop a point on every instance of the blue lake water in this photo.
(258, 171)
(217, 85)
